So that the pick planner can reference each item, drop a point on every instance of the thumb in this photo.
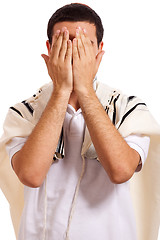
(99, 58)
(46, 58)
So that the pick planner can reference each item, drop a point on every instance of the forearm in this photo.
(36, 156)
(33, 161)
(117, 158)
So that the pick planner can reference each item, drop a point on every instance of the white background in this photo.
(131, 61)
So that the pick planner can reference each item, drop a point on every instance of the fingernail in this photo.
(63, 29)
(69, 42)
(74, 41)
(65, 32)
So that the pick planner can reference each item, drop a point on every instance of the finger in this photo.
(64, 44)
(46, 58)
(86, 42)
(75, 50)
(99, 59)
(55, 37)
(57, 45)
(80, 46)
(68, 56)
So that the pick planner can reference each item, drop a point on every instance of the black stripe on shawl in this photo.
(62, 149)
(59, 148)
(130, 98)
(14, 109)
(131, 110)
(60, 142)
(114, 112)
(107, 108)
(29, 107)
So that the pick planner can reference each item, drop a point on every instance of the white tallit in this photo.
(129, 115)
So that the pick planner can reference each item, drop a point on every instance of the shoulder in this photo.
(107, 93)
(117, 104)
(32, 107)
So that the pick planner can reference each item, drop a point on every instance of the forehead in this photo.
(71, 26)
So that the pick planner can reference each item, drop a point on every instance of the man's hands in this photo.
(72, 65)
(85, 62)
(59, 61)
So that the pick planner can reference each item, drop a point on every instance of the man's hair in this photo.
(76, 12)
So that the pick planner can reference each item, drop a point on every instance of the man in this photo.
(84, 192)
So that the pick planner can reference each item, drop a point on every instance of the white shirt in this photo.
(103, 210)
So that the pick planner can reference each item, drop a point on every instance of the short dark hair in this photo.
(76, 12)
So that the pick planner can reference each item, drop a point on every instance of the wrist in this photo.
(84, 91)
(61, 93)
(62, 90)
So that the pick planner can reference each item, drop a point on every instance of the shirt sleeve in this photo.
(141, 145)
(14, 146)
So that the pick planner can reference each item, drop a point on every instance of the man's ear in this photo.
(48, 47)
(100, 46)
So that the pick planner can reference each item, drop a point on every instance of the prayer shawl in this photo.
(129, 115)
